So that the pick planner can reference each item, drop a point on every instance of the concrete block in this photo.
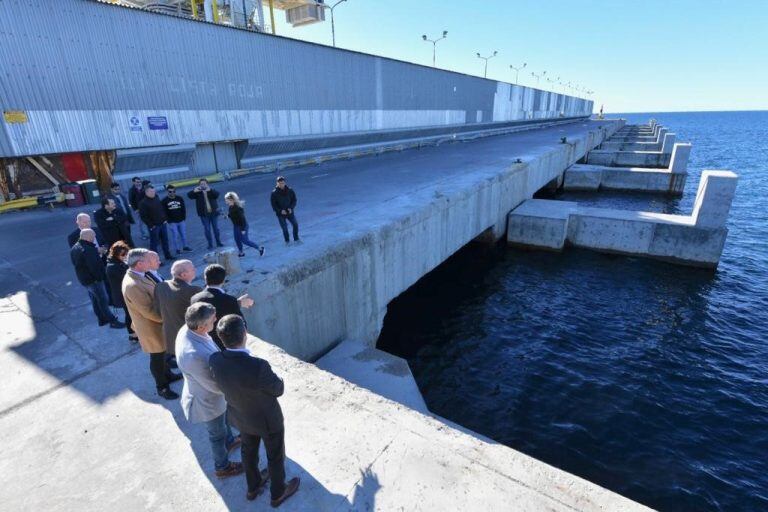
(714, 198)
(540, 224)
(679, 159)
(652, 159)
(668, 143)
(226, 257)
(583, 177)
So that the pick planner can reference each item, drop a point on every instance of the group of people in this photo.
(200, 331)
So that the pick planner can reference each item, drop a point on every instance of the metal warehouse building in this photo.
(92, 89)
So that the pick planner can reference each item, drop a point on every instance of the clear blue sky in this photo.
(647, 56)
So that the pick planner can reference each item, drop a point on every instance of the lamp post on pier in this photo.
(333, 27)
(486, 59)
(434, 44)
(517, 70)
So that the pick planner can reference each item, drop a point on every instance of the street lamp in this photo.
(486, 59)
(434, 44)
(333, 27)
(517, 70)
(538, 77)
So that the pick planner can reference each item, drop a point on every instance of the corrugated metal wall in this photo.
(91, 75)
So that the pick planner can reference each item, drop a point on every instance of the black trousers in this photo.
(274, 444)
(284, 226)
(159, 369)
(128, 322)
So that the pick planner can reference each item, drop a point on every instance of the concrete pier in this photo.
(695, 239)
(659, 158)
(599, 177)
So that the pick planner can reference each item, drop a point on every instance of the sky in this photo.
(649, 56)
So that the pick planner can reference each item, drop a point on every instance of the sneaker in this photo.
(262, 250)
(234, 469)
(186, 249)
(252, 495)
(242, 254)
(117, 324)
(290, 490)
(168, 393)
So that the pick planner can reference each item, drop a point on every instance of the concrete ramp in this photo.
(375, 370)
(695, 239)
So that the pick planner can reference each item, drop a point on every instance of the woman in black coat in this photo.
(240, 224)
(116, 269)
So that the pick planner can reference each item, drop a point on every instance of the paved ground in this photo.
(84, 428)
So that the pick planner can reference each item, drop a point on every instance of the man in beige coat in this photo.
(139, 295)
(172, 298)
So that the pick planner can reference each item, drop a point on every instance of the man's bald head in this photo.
(184, 270)
(88, 235)
(83, 221)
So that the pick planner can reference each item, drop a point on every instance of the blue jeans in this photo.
(284, 226)
(241, 237)
(97, 292)
(221, 438)
(159, 233)
(178, 235)
(211, 221)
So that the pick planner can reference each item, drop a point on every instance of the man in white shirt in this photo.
(201, 399)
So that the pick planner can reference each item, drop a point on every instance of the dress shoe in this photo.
(173, 377)
(219, 244)
(252, 495)
(290, 490)
(236, 442)
(168, 393)
(117, 325)
(234, 469)
(187, 249)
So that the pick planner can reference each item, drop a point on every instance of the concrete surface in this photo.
(105, 442)
(621, 144)
(695, 239)
(375, 370)
(655, 159)
(339, 205)
(638, 179)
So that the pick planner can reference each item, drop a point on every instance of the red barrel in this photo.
(73, 194)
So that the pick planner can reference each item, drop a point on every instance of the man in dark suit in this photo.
(251, 389)
(112, 222)
(90, 273)
(215, 295)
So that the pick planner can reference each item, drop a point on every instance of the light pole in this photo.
(517, 70)
(538, 77)
(333, 27)
(434, 44)
(486, 59)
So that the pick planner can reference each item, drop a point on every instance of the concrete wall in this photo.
(340, 288)
(214, 83)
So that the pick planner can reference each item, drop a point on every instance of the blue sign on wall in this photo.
(157, 122)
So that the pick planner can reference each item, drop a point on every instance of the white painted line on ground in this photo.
(319, 175)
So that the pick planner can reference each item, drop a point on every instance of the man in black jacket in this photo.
(112, 222)
(283, 201)
(153, 215)
(176, 213)
(90, 272)
(83, 221)
(135, 196)
(214, 294)
(207, 208)
(251, 389)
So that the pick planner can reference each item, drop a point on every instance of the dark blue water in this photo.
(647, 378)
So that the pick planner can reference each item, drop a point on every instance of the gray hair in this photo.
(88, 235)
(197, 314)
(179, 266)
(137, 255)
